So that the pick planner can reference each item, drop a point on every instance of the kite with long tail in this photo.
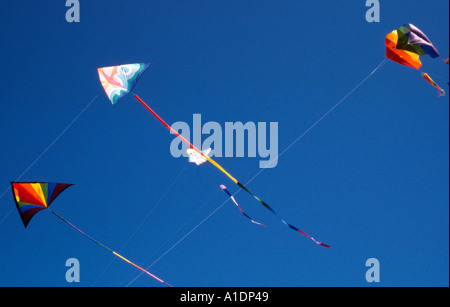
(406, 45)
(32, 197)
(440, 91)
(118, 81)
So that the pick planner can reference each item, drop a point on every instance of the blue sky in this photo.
(371, 179)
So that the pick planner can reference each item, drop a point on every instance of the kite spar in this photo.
(32, 197)
(118, 81)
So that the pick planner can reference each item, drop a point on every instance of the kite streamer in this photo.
(118, 81)
(110, 250)
(283, 221)
(32, 197)
(440, 91)
(303, 233)
(224, 188)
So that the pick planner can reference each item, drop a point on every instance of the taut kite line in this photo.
(118, 81)
(32, 197)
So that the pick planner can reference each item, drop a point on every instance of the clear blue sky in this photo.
(371, 179)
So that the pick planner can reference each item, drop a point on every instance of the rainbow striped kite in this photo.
(32, 197)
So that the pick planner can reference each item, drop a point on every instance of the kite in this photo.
(440, 91)
(32, 197)
(118, 81)
(224, 188)
(405, 46)
(194, 157)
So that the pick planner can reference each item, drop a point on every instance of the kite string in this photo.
(382, 63)
(180, 240)
(320, 119)
(143, 221)
(294, 142)
(6, 216)
(156, 205)
(47, 149)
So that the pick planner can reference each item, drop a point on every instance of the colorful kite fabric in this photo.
(203, 155)
(412, 39)
(117, 81)
(32, 197)
(406, 44)
(224, 188)
(196, 158)
(440, 91)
